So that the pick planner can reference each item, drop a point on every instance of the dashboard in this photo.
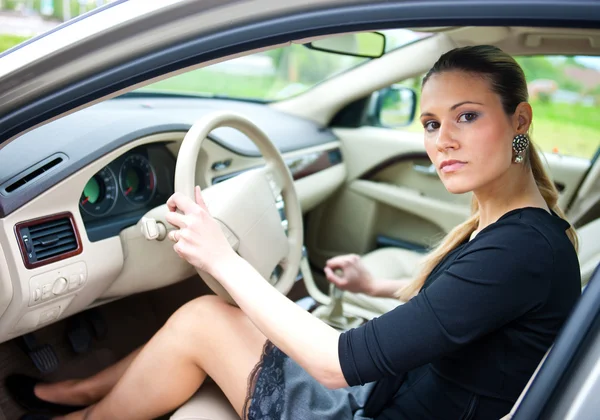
(125, 189)
(73, 192)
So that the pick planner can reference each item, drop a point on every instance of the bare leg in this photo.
(88, 390)
(205, 336)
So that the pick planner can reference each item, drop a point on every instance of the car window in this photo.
(269, 75)
(564, 93)
(274, 74)
(565, 96)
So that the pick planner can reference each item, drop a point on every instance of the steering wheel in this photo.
(245, 205)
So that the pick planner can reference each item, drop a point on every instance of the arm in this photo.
(309, 341)
(387, 287)
(306, 339)
(348, 272)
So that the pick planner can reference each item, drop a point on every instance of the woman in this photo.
(478, 319)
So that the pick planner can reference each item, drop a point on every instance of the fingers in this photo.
(183, 203)
(342, 261)
(199, 198)
(177, 219)
(334, 278)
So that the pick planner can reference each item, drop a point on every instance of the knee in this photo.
(197, 316)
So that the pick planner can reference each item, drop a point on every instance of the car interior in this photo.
(86, 275)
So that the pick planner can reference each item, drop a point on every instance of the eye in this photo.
(431, 125)
(468, 117)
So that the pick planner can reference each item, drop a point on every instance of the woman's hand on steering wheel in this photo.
(353, 277)
(199, 239)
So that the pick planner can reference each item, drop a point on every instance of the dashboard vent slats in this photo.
(52, 238)
(48, 240)
(33, 173)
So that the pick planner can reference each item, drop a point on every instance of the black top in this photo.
(479, 326)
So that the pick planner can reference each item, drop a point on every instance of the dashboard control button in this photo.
(28, 245)
(221, 165)
(60, 285)
(46, 291)
(37, 294)
(73, 281)
(149, 228)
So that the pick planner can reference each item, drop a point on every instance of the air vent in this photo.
(47, 240)
(32, 173)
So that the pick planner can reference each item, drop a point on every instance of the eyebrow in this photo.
(452, 108)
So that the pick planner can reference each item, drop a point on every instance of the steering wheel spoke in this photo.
(274, 179)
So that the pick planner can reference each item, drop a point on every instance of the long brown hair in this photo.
(507, 80)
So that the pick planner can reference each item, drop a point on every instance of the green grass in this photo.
(9, 41)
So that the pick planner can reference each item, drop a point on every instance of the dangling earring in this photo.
(520, 144)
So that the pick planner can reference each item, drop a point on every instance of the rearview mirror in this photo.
(395, 106)
(363, 44)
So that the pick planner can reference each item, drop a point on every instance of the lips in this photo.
(451, 165)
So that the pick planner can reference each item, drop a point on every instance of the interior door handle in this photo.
(425, 170)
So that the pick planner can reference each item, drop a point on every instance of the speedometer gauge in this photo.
(137, 179)
(100, 193)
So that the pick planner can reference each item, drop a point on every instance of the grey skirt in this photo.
(279, 389)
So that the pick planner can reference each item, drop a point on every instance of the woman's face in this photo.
(468, 136)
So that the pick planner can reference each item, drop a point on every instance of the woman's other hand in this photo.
(347, 272)
(199, 239)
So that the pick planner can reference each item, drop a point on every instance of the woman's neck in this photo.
(516, 190)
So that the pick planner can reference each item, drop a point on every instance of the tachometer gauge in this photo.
(100, 193)
(137, 179)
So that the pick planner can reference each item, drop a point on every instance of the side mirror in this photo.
(363, 44)
(395, 106)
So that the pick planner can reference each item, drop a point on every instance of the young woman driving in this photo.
(486, 306)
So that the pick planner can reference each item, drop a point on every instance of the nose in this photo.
(446, 138)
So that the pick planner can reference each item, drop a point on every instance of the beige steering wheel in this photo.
(245, 205)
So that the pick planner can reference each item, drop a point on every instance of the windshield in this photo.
(272, 75)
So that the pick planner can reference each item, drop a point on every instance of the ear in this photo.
(522, 118)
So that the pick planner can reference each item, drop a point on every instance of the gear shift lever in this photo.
(333, 314)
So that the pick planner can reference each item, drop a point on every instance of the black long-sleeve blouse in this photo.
(480, 325)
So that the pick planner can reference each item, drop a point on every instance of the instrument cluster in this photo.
(125, 189)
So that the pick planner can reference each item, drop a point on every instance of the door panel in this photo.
(567, 172)
(411, 199)
(585, 206)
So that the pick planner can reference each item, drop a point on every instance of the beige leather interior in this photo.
(209, 403)
(385, 263)
(586, 203)
(121, 265)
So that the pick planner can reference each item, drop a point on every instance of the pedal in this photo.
(79, 334)
(97, 322)
(43, 356)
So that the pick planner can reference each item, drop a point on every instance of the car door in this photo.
(393, 195)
